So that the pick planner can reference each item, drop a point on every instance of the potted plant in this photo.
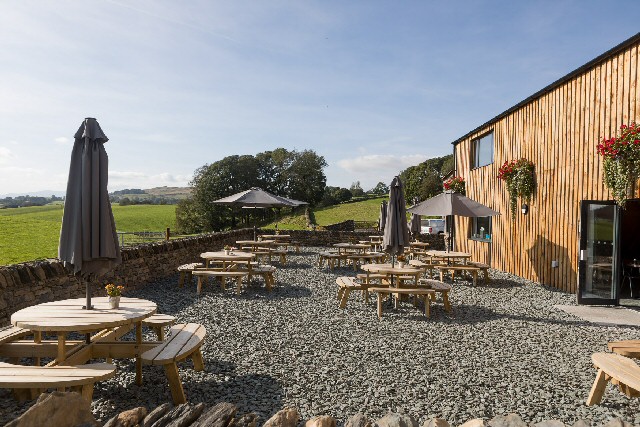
(455, 184)
(227, 249)
(114, 292)
(622, 162)
(401, 260)
(520, 179)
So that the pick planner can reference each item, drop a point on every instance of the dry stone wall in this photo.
(26, 284)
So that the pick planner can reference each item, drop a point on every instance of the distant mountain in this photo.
(42, 193)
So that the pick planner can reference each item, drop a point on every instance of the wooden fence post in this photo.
(167, 234)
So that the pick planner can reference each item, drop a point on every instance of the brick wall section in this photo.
(26, 284)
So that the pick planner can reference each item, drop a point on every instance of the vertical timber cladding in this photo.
(558, 129)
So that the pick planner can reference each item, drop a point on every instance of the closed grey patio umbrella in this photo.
(383, 216)
(88, 238)
(450, 203)
(396, 230)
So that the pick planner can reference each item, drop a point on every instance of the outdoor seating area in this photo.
(256, 349)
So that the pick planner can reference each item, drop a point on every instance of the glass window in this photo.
(482, 151)
(481, 228)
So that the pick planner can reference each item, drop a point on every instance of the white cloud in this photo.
(5, 155)
(62, 140)
(380, 163)
(131, 179)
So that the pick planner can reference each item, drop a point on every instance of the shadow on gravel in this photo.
(280, 292)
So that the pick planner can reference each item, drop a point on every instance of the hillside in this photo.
(177, 192)
(367, 210)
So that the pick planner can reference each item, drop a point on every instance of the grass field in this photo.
(32, 233)
(367, 210)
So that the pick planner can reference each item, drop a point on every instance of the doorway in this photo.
(629, 285)
(609, 263)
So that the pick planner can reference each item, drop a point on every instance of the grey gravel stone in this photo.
(502, 349)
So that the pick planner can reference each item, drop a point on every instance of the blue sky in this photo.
(373, 86)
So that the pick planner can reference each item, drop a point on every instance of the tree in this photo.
(305, 177)
(356, 189)
(189, 219)
(380, 188)
(425, 180)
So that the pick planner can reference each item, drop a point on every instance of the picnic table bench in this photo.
(483, 267)
(39, 378)
(223, 275)
(185, 271)
(157, 323)
(185, 341)
(419, 293)
(439, 288)
(619, 370)
(458, 267)
(364, 257)
(347, 284)
(331, 258)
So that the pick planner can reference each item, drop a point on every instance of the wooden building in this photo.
(558, 129)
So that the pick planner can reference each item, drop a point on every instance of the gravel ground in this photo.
(504, 348)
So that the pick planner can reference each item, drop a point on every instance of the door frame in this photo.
(615, 262)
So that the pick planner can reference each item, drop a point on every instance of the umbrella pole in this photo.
(87, 283)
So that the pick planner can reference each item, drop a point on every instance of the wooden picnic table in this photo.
(255, 244)
(227, 259)
(419, 244)
(276, 236)
(62, 317)
(392, 271)
(463, 256)
(345, 247)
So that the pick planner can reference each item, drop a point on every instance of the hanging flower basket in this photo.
(455, 184)
(621, 162)
(519, 175)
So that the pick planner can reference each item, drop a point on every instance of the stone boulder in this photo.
(476, 422)
(220, 415)
(511, 420)
(57, 409)
(321, 421)
(549, 423)
(397, 420)
(287, 417)
(436, 422)
(358, 420)
(130, 418)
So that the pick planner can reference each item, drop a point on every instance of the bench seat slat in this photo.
(184, 340)
(14, 376)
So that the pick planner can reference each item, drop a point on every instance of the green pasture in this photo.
(32, 233)
(366, 210)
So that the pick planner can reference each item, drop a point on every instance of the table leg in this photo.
(380, 305)
(37, 338)
(138, 359)
(62, 336)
